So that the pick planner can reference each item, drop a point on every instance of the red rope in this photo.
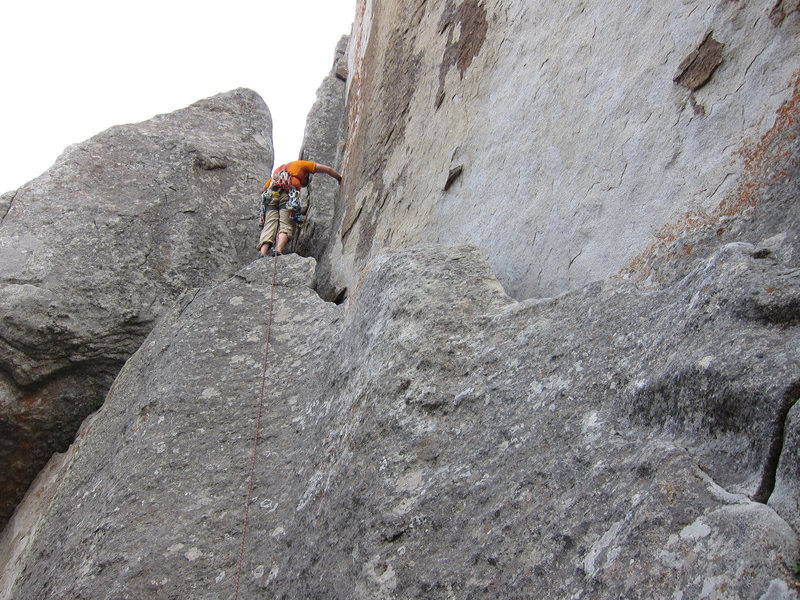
(258, 428)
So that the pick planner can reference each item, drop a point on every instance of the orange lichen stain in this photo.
(770, 149)
(762, 167)
(669, 493)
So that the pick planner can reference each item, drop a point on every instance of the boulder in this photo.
(93, 251)
(431, 437)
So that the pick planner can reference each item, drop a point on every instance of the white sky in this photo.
(73, 68)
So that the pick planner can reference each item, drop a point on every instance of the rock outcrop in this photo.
(97, 248)
(432, 436)
(596, 400)
(563, 142)
(324, 142)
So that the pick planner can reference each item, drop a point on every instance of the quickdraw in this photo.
(293, 204)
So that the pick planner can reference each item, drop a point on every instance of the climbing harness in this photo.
(293, 204)
(280, 182)
(258, 428)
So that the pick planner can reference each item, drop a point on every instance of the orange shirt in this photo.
(299, 170)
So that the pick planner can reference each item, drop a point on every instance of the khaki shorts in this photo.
(277, 221)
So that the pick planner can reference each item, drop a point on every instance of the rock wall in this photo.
(323, 142)
(93, 251)
(440, 433)
(562, 141)
(433, 437)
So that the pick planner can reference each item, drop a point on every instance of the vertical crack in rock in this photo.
(769, 474)
(697, 68)
(6, 201)
(462, 46)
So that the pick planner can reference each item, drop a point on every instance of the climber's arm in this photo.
(328, 171)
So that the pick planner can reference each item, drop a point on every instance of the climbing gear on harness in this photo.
(294, 201)
(282, 180)
(258, 428)
(293, 205)
(265, 199)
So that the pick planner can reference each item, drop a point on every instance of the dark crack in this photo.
(770, 471)
(574, 258)
(6, 209)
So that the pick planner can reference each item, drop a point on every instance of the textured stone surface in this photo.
(434, 437)
(784, 498)
(763, 209)
(5, 203)
(576, 146)
(96, 248)
(323, 142)
(189, 428)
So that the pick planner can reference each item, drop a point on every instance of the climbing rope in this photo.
(258, 428)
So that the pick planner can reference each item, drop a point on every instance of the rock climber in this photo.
(280, 202)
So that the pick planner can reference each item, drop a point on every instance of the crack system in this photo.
(10, 204)
(770, 471)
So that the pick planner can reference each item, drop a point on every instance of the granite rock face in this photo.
(494, 419)
(323, 142)
(563, 142)
(93, 251)
(434, 437)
